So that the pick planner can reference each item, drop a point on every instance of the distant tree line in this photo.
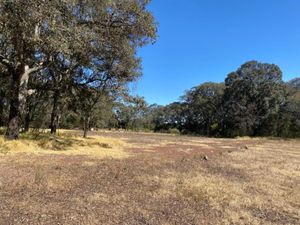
(253, 101)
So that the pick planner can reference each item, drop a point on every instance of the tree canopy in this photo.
(88, 43)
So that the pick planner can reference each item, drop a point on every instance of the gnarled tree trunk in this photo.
(12, 131)
(27, 122)
(19, 92)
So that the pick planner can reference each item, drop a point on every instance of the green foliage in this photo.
(204, 104)
(130, 113)
(70, 120)
(174, 131)
(170, 116)
(252, 99)
(289, 117)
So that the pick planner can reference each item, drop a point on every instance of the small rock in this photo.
(205, 158)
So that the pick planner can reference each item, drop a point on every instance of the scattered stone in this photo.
(205, 158)
(245, 147)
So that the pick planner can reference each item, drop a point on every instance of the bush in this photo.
(2, 130)
(174, 131)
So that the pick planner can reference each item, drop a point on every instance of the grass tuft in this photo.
(39, 175)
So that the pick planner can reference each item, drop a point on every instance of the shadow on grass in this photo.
(62, 141)
(46, 140)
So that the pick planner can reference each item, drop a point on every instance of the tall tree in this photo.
(204, 107)
(26, 28)
(252, 99)
(289, 116)
(131, 112)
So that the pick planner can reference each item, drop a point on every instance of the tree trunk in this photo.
(19, 92)
(1, 110)
(28, 118)
(54, 114)
(86, 124)
(27, 122)
(13, 125)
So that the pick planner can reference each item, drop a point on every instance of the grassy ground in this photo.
(64, 144)
(130, 178)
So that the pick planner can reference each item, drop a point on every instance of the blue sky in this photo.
(204, 40)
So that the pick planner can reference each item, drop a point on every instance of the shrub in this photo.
(174, 131)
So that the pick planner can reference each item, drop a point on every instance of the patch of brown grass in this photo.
(269, 194)
(259, 184)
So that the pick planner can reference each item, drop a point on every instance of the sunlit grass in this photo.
(67, 144)
(267, 184)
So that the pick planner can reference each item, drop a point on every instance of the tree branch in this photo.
(5, 62)
(34, 69)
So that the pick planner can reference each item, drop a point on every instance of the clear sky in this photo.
(204, 40)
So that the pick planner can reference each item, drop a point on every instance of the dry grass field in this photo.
(135, 178)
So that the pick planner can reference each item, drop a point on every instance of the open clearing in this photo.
(135, 178)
